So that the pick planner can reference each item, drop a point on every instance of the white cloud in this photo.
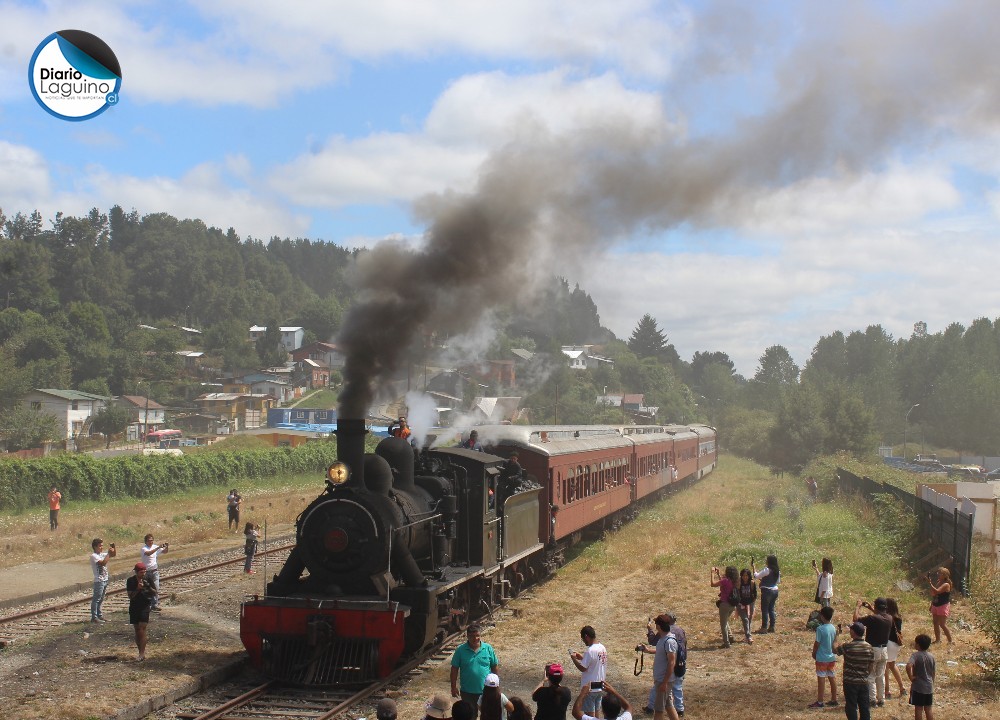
(833, 205)
(259, 53)
(475, 114)
(24, 177)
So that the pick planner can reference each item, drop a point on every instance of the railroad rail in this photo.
(15, 628)
(273, 700)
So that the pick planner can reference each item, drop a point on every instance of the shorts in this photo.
(826, 669)
(138, 615)
(921, 699)
(663, 700)
(941, 610)
(892, 651)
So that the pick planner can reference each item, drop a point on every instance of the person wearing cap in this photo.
(385, 709)
(677, 683)
(551, 698)
(439, 708)
(878, 627)
(140, 594)
(664, 653)
(493, 704)
(613, 705)
(859, 664)
(472, 661)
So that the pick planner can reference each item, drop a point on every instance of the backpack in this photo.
(734, 597)
(680, 663)
(813, 622)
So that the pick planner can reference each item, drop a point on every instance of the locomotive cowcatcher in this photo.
(401, 548)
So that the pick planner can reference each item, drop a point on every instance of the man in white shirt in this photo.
(99, 564)
(147, 557)
(593, 665)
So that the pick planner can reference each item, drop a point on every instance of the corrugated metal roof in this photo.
(71, 394)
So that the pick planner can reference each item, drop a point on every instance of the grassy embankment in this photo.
(196, 515)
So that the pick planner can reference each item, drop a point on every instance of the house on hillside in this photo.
(495, 410)
(291, 337)
(323, 353)
(239, 411)
(74, 409)
(146, 415)
(583, 357)
(317, 374)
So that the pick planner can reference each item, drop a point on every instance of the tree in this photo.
(111, 420)
(647, 339)
(22, 427)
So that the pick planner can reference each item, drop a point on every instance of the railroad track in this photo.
(271, 700)
(184, 577)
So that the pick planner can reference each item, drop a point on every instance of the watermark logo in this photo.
(74, 75)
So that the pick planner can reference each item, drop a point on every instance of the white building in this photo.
(75, 409)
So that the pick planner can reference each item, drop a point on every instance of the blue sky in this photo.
(797, 167)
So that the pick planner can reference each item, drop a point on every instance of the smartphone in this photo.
(596, 685)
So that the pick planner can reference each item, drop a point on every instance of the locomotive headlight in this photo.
(338, 473)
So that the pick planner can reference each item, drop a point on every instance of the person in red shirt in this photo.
(54, 497)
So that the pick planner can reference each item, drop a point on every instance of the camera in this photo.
(639, 648)
(112, 546)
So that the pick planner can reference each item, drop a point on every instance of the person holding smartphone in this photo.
(593, 664)
(150, 551)
(99, 564)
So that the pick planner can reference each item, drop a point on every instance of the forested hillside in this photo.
(76, 293)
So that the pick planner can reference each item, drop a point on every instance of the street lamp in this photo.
(906, 420)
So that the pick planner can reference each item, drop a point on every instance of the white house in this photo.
(146, 415)
(582, 357)
(291, 337)
(75, 409)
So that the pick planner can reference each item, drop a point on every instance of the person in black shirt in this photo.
(141, 593)
(550, 696)
(878, 625)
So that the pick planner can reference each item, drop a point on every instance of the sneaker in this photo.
(770, 630)
(251, 572)
(815, 705)
(94, 620)
(832, 703)
(888, 695)
(880, 703)
(101, 620)
(648, 710)
(156, 609)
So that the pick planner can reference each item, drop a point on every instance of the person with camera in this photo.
(233, 501)
(664, 661)
(141, 594)
(878, 627)
(593, 665)
(99, 564)
(550, 696)
(150, 551)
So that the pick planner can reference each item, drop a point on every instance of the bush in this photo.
(25, 483)
(898, 522)
(770, 502)
(985, 600)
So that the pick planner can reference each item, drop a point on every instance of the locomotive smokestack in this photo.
(351, 448)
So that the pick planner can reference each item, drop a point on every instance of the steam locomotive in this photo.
(405, 546)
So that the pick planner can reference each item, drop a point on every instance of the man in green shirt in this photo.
(473, 660)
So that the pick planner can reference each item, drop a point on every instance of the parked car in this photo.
(965, 472)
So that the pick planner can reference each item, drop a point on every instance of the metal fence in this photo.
(945, 537)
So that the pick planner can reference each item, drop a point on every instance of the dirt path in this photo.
(658, 562)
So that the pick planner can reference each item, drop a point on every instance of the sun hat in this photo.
(439, 707)
(492, 680)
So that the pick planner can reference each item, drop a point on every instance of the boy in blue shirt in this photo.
(826, 659)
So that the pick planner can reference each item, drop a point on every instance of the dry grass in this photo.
(662, 561)
(195, 516)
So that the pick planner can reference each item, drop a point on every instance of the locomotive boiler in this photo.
(400, 548)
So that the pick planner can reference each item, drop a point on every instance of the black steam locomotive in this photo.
(400, 548)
